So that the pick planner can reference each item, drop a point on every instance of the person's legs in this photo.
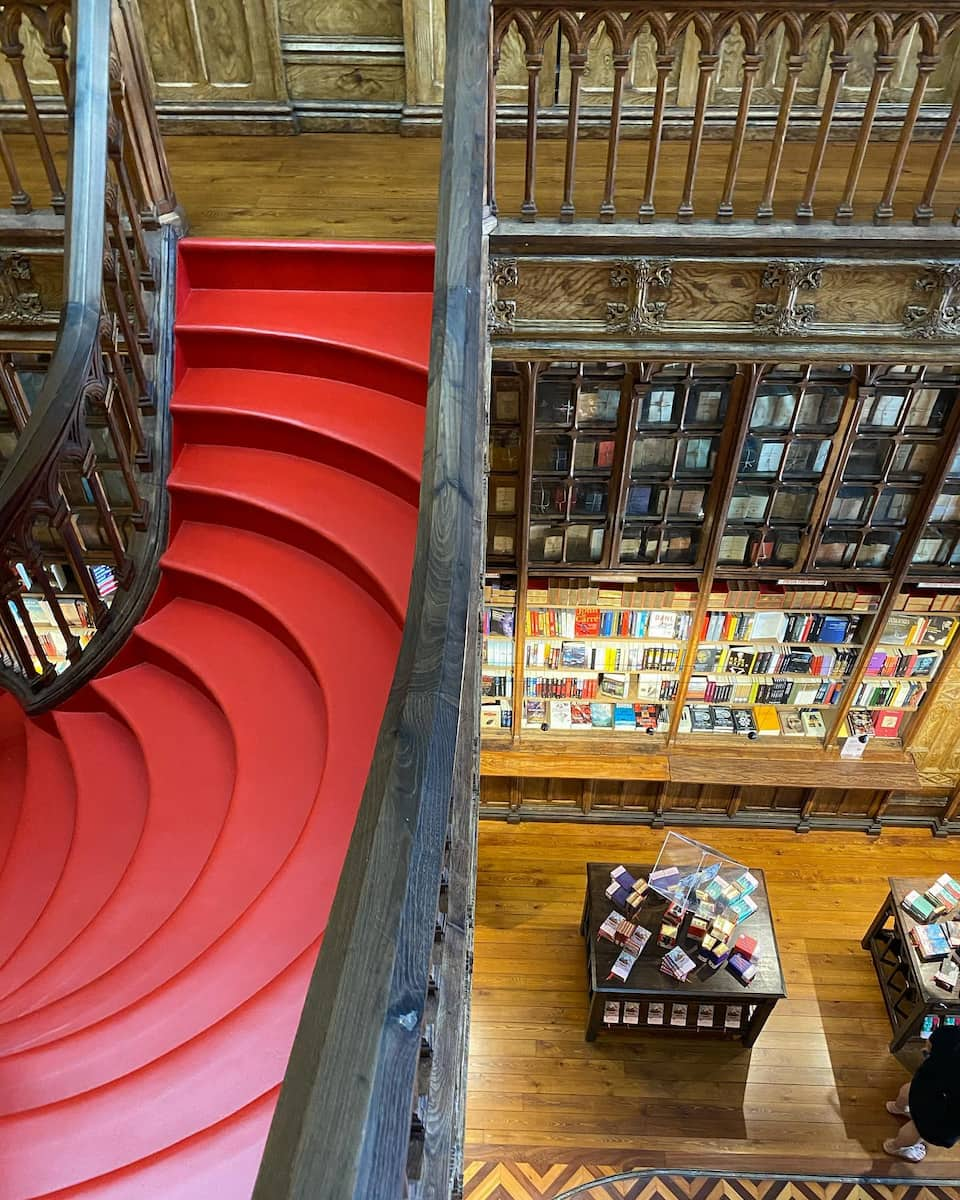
(907, 1144)
(901, 1106)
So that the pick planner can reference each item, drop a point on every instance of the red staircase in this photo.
(170, 841)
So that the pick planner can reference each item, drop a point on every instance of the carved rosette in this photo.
(20, 301)
(502, 314)
(647, 279)
(787, 314)
(941, 317)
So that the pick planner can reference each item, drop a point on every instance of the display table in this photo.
(905, 981)
(716, 1003)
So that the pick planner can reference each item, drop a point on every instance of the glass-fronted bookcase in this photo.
(768, 550)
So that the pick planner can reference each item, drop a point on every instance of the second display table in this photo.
(711, 1002)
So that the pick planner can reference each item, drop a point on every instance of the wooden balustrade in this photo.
(82, 503)
(758, 78)
(366, 1110)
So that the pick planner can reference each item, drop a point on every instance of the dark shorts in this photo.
(933, 1112)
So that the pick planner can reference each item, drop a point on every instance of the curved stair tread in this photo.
(13, 770)
(356, 522)
(354, 428)
(221, 1161)
(292, 264)
(202, 1083)
(314, 356)
(279, 754)
(42, 840)
(111, 810)
(396, 324)
(188, 752)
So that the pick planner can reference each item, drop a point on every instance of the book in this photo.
(947, 976)
(705, 1016)
(791, 723)
(743, 721)
(580, 715)
(768, 723)
(678, 1014)
(573, 654)
(534, 714)
(624, 716)
(701, 718)
(631, 1012)
(813, 725)
(560, 717)
(614, 685)
(723, 719)
(685, 724)
(611, 1012)
(897, 631)
(919, 907)
(939, 631)
(732, 1016)
(707, 658)
(887, 721)
(601, 716)
(654, 1014)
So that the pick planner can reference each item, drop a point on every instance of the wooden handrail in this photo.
(342, 1127)
(105, 371)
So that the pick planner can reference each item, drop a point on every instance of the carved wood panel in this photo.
(214, 50)
(746, 298)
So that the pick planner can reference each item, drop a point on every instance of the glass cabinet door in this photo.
(680, 410)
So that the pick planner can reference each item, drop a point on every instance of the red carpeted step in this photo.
(315, 418)
(67, 1140)
(42, 840)
(13, 770)
(221, 1161)
(111, 811)
(394, 324)
(189, 759)
(363, 531)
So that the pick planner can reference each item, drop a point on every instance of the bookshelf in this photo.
(499, 623)
(779, 542)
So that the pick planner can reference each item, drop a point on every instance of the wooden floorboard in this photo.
(808, 1097)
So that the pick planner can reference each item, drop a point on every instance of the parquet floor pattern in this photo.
(516, 1180)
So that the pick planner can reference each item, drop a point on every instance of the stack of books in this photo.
(918, 907)
(930, 942)
(947, 976)
(678, 964)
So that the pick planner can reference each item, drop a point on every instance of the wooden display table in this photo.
(905, 981)
(737, 1010)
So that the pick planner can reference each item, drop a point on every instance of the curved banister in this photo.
(83, 506)
(342, 1127)
(83, 271)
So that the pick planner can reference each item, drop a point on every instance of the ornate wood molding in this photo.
(20, 299)
(787, 314)
(850, 304)
(642, 276)
(941, 317)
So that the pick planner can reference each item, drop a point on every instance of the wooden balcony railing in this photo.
(372, 1103)
(842, 112)
(83, 437)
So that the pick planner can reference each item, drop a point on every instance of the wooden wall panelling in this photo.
(210, 56)
(344, 50)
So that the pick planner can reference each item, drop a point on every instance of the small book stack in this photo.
(625, 933)
(930, 942)
(947, 976)
(667, 938)
(744, 959)
(918, 907)
(678, 964)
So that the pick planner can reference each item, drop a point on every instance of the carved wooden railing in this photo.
(835, 75)
(82, 503)
(372, 1103)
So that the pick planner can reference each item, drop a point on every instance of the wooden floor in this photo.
(385, 185)
(807, 1098)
